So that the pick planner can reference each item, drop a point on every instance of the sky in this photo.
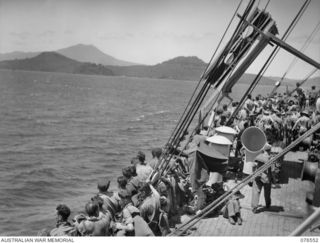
(149, 31)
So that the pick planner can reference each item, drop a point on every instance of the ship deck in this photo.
(289, 208)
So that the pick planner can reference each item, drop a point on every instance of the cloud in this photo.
(68, 32)
(47, 33)
(194, 37)
(19, 43)
(20, 35)
(163, 35)
(115, 36)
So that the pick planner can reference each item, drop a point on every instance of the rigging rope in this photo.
(230, 68)
(165, 163)
(305, 45)
(192, 111)
(265, 7)
(181, 117)
(269, 61)
(304, 80)
(227, 72)
(225, 196)
(252, 1)
(224, 34)
(295, 59)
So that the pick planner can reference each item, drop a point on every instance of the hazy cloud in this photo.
(46, 33)
(20, 35)
(68, 32)
(115, 36)
(185, 37)
(163, 35)
(19, 43)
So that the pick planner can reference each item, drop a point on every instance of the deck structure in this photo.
(289, 208)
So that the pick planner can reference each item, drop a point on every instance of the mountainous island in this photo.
(79, 52)
(55, 62)
(87, 59)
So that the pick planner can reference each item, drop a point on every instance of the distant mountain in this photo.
(181, 68)
(247, 78)
(17, 55)
(314, 81)
(89, 53)
(55, 62)
(80, 52)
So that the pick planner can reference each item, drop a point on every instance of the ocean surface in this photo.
(60, 133)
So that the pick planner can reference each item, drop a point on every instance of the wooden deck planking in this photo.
(290, 196)
(288, 202)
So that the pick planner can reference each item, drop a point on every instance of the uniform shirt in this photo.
(249, 105)
(315, 117)
(301, 92)
(133, 185)
(261, 159)
(143, 172)
(63, 229)
(131, 215)
(313, 95)
(153, 163)
(265, 120)
(242, 115)
(110, 203)
(150, 208)
(95, 226)
(303, 121)
(126, 216)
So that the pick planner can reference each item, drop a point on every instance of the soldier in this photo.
(63, 227)
(96, 224)
(263, 181)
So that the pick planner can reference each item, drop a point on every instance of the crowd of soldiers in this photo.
(283, 118)
(140, 208)
(134, 209)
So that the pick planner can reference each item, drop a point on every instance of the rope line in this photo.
(225, 196)
(268, 62)
(305, 45)
(304, 80)
(186, 121)
(227, 72)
